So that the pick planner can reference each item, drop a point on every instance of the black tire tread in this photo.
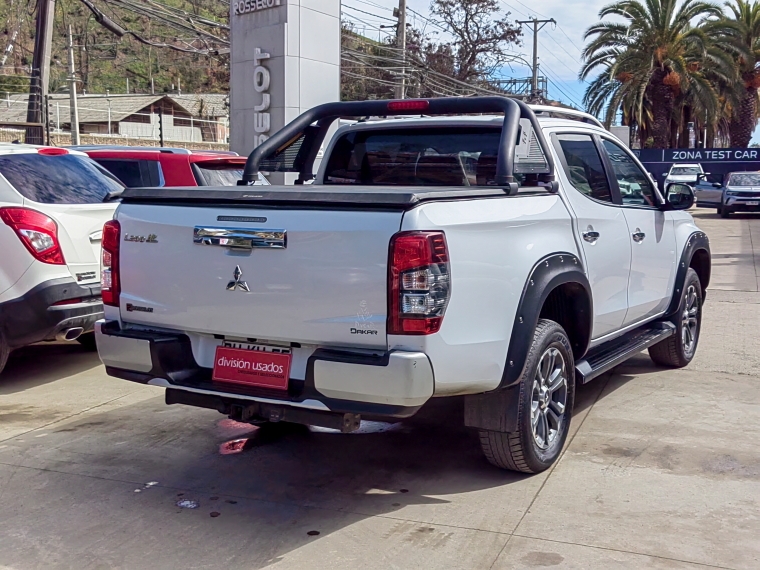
(668, 352)
(4, 352)
(505, 449)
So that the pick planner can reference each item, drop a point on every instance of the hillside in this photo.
(105, 62)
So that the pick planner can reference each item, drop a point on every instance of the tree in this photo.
(739, 35)
(482, 36)
(650, 60)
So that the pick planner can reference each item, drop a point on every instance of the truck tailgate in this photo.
(327, 285)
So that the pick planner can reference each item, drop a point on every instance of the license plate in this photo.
(253, 365)
(753, 203)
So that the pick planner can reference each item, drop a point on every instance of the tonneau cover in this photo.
(393, 197)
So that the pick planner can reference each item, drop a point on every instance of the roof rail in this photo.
(569, 113)
(311, 128)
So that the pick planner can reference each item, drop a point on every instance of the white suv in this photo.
(53, 204)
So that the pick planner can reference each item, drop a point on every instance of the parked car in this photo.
(158, 166)
(683, 173)
(740, 192)
(53, 204)
(437, 256)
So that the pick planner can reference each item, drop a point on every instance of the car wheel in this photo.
(87, 340)
(547, 392)
(719, 211)
(4, 352)
(724, 212)
(678, 350)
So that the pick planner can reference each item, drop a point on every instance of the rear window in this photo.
(134, 173)
(217, 174)
(685, 170)
(58, 179)
(418, 157)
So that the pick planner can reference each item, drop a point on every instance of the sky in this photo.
(559, 47)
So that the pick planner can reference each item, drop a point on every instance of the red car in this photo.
(157, 166)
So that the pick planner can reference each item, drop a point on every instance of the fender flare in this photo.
(550, 272)
(497, 410)
(697, 241)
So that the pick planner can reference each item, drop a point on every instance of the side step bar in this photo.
(608, 355)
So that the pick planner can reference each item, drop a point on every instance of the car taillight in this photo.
(419, 282)
(110, 285)
(37, 232)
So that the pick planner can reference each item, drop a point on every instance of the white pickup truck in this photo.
(474, 248)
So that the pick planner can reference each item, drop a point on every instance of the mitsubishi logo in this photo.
(237, 284)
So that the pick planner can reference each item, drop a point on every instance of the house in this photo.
(184, 118)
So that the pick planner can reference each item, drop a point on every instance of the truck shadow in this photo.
(38, 364)
(260, 497)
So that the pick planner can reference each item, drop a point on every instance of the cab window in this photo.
(636, 188)
(583, 166)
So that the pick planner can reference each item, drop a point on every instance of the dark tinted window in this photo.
(452, 156)
(134, 173)
(584, 166)
(58, 179)
(209, 174)
(635, 186)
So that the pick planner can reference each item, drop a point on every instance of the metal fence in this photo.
(111, 120)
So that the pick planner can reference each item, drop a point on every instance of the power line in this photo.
(569, 38)
(368, 13)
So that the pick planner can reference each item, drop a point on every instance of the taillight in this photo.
(110, 285)
(419, 282)
(37, 232)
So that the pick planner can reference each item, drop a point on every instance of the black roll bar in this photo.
(325, 114)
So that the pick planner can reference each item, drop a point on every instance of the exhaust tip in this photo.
(70, 334)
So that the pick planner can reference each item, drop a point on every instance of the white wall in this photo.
(151, 130)
(302, 38)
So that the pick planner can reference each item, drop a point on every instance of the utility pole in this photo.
(400, 13)
(38, 86)
(73, 93)
(161, 126)
(537, 26)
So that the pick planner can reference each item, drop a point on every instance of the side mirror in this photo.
(717, 185)
(680, 196)
(665, 173)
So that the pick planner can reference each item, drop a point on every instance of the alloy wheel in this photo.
(690, 320)
(549, 398)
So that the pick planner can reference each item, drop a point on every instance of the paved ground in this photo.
(662, 470)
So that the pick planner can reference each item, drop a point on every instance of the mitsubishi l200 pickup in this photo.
(476, 248)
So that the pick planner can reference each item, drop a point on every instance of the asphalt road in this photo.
(662, 469)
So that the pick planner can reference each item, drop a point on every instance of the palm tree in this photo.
(739, 35)
(650, 59)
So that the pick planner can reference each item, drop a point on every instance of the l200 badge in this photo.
(151, 238)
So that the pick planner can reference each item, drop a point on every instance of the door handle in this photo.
(590, 235)
(638, 236)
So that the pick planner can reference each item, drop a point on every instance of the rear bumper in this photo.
(35, 316)
(393, 384)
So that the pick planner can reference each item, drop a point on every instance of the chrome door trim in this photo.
(240, 238)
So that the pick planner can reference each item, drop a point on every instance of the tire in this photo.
(4, 352)
(524, 450)
(678, 350)
(87, 340)
(724, 212)
(719, 211)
